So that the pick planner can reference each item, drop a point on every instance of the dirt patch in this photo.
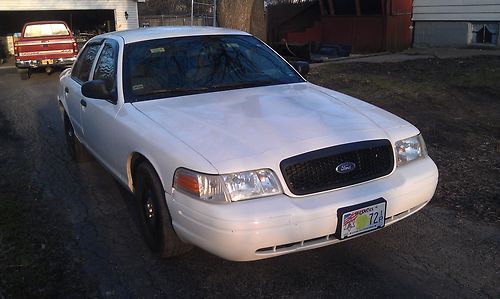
(456, 105)
(38, 256)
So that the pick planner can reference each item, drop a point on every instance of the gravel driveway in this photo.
(92, 246)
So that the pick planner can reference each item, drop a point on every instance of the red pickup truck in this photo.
(45, 44)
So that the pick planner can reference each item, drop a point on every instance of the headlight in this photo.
(227, 187)
(410, 149)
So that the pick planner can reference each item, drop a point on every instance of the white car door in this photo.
(73, 86)
(98, 115)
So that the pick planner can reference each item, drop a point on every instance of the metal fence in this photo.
(203, 13)
(207, 9)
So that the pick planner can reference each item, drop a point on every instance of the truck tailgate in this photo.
(46, 48)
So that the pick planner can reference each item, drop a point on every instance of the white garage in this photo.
(456, 23)
(90, 16)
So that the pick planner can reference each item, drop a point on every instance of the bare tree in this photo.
(245, 15)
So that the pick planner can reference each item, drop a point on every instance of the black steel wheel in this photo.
(154, 215)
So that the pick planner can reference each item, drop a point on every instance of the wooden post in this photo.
(332, 9)
(358, 8)
(322, 7)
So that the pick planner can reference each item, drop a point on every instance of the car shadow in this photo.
(103, 216)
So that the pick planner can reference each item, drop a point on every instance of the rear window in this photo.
(38, 30)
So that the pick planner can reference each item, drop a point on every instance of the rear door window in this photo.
(83, 66)
(105, 69)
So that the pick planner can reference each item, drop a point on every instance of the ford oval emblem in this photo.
(345, 167)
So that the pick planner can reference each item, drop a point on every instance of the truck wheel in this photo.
(75, 147)
(155, 219)
(25, 74)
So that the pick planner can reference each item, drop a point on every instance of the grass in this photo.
(456, 105)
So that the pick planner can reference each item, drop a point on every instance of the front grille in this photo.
(316, 171)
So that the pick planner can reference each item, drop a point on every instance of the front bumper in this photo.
(37, 63)
(272, 226)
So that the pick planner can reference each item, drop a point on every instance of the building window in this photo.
(370, 7)
(484, 33)
(344, 7)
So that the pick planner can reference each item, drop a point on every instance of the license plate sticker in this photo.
(362, 218)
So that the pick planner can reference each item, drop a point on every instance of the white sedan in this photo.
(228, 148)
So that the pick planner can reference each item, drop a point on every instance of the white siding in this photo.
(456, 10)
(119, 6)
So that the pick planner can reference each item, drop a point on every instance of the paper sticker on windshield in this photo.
(137, 87)
(157, 50)
(231, 45)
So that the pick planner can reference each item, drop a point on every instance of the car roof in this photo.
(149, 33)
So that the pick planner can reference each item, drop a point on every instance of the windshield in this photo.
(188, 65)
(38, 30)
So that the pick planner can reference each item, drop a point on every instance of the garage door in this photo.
(87, 21)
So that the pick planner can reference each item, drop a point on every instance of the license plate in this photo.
(47, 61)
(361, 218)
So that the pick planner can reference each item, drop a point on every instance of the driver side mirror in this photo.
(97, 89)
(301, 66)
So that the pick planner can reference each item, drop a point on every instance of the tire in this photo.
(75, 148)
(24, 74)
(155, 220)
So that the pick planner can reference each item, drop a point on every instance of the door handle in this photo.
(66, 90)
(83, 103)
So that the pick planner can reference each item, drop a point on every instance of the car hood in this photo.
(258, 127)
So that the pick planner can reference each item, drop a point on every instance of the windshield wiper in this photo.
(249, 84)
(175, 90)
(217, 87)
